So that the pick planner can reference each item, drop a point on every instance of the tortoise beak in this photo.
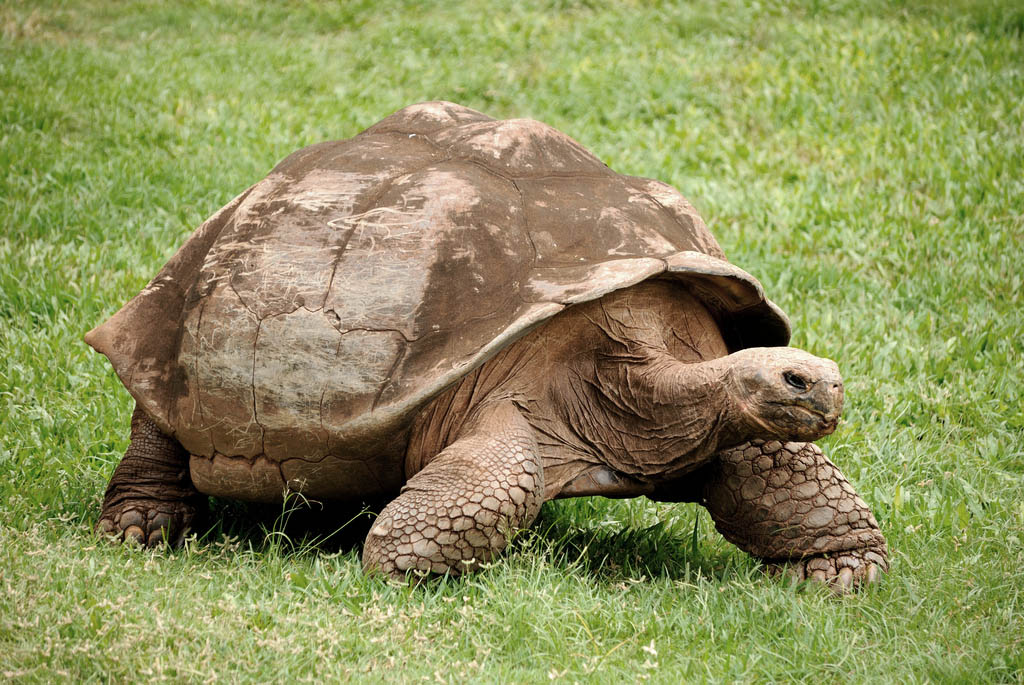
(825, 398)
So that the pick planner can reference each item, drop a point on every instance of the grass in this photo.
(864, 159)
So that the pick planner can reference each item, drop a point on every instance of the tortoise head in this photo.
(785, 393)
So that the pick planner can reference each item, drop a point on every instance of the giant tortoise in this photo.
(470, 317)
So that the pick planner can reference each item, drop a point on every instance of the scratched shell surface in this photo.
(297, 332)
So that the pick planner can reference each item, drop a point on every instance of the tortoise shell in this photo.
(299, 330)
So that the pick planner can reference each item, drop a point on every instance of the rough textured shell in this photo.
(314, 314)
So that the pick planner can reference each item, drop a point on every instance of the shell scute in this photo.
(218, 366)
(449, 223)
(520, 148)
(426, 118)
(689, 227)
(292, 371)
(381, 156)
(572, 222)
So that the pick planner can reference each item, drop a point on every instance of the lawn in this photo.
(865, 160)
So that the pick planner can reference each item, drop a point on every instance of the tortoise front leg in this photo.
(150, 498)
(462, 507)
(790, 506)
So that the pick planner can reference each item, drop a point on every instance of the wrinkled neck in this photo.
(656, 416)
(677, 386)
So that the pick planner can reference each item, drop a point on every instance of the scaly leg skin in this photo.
(150, 498)
(790, 506)
(460, 510)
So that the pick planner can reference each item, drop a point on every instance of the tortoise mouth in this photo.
(828, 425)
(826, 417)
(825, 423)
(821, 422)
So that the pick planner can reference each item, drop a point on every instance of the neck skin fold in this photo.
(654, 416)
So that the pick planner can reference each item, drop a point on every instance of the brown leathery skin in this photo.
(150, 499)
(787, 504)
(644, 390)
(460, 510)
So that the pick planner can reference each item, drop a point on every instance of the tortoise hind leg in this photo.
(150, 498)
(462, 507)
(790, 506)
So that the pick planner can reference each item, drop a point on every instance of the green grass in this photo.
(865, 160)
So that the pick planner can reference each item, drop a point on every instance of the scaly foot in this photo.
(788, 505)
(150, 498)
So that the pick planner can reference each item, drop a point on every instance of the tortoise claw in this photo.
(147, 523)
(135, 535)
(842, 572)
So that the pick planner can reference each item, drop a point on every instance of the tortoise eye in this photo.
(795, 380)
